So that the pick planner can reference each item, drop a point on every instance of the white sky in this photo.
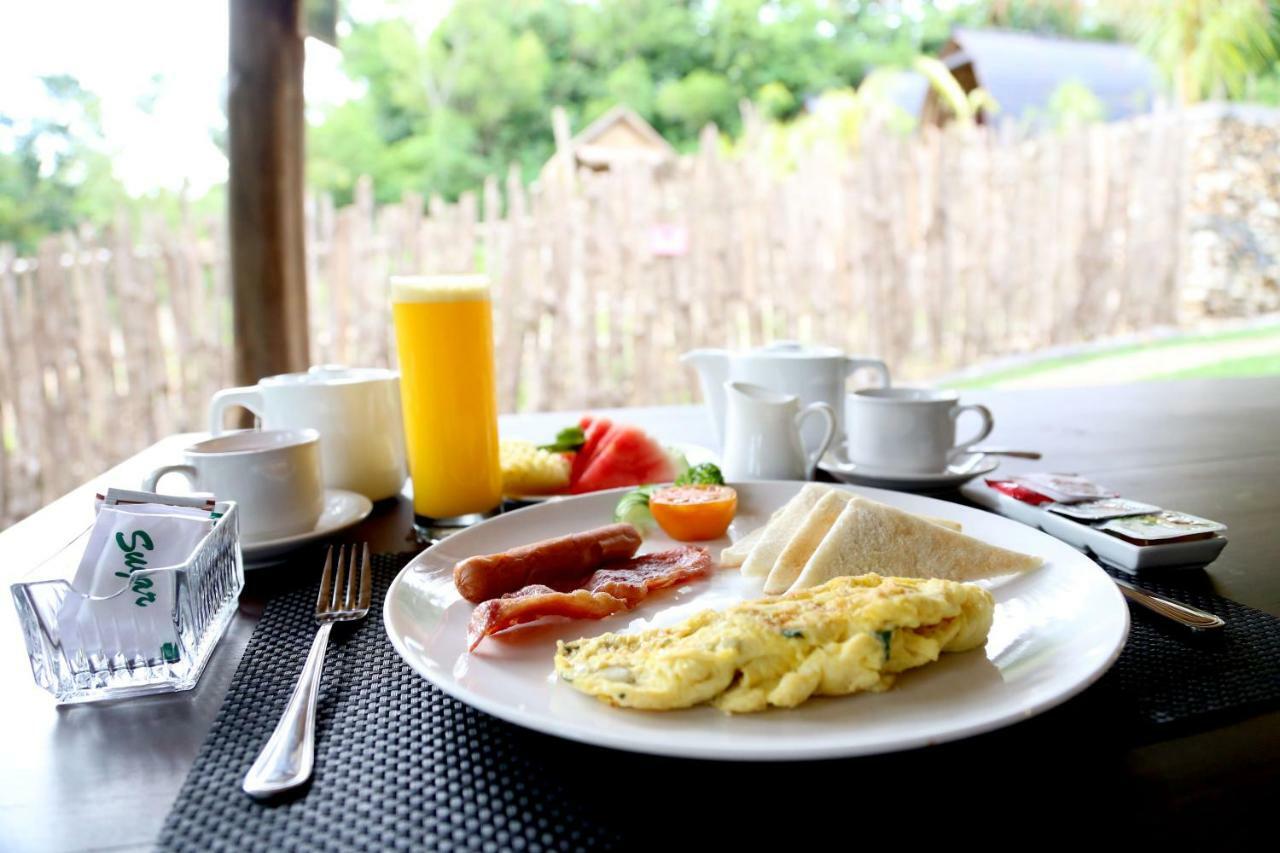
(116, 47)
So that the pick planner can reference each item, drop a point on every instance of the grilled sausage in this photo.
(557, 563)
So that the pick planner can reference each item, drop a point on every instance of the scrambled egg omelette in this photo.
(849, 634)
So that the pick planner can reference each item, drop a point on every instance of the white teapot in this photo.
(814, 374)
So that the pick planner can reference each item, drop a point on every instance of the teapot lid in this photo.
(793, 349)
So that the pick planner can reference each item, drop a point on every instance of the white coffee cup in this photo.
(355, 409)
(274, 475)
(907, 430)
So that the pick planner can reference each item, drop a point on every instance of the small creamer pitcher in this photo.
(762, 434)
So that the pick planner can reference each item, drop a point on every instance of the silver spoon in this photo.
(1004, 451)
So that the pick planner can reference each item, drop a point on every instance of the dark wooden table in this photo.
(104, 776)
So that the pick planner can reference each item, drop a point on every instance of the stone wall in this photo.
(1232, 265)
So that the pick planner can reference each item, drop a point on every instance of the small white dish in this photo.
(342, 509)
(694, 454)
(961, 471)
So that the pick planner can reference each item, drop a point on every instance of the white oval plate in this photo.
(1056, 630)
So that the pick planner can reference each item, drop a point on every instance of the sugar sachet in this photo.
(117, 607)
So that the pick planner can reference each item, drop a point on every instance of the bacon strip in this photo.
(620, 587)
(636, 578)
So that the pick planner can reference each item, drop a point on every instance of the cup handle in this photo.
(988, 422)
(153, 479)
(249, 397)
(824, 409)
(852, 364)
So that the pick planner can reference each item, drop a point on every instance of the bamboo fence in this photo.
(931, 251)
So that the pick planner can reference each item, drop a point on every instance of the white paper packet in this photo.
(123, 614)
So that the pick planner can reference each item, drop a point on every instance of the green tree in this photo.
(1209, 48)
(442, 110)
(703, 97)
(54, 172)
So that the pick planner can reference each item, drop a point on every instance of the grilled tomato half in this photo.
(694, 513)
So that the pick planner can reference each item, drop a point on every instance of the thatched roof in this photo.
(1023, 70)
(619, 136)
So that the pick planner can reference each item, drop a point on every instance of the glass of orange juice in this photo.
(444, 338)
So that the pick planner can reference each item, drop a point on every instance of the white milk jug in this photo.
(762, 434)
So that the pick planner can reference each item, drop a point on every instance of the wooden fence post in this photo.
(265, 188)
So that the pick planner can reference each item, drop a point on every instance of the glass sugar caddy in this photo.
(80, 656)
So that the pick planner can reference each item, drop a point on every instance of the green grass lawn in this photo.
(1258, 365)
(1210, 352)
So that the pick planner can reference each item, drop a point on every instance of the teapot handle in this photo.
(852, 364)
(248, 397)
(824, 409)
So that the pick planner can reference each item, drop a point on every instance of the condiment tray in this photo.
(1104, 547)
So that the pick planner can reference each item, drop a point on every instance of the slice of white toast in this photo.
(872, 537)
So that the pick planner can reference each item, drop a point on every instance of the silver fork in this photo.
(287, 759)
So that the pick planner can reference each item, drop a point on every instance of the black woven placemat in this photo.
(1169, 677)
(399, 765)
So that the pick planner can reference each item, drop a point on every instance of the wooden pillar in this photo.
(265, 187)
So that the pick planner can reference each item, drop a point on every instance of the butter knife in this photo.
(1183, 614)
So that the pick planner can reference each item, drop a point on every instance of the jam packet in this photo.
(1163, 527)
(1019, 492)
(1064, 488)
(1103, 509)
(118, 612)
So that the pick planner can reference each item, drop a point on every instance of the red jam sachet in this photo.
(1019, 492)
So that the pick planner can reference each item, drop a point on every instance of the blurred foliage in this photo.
(1073, 104)
(56, 172)
(443, 109)
(1209, 48)
(964, 107)
(53, 173)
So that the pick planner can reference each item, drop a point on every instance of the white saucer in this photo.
(341, 510)
(962, 470)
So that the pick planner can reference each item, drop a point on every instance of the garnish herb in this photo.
(705, 474)
(886, 638)
(633, 508)
(567, 439)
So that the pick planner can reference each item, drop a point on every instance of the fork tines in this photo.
(345, 592)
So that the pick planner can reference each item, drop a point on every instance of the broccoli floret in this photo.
(705, 474)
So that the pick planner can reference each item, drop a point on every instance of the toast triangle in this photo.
(778, 532)
(872, 537)
(810, 533)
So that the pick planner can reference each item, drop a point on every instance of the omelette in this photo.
(848, 635)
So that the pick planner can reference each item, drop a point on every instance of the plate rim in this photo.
(602, 737)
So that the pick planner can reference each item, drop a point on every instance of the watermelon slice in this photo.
(627, 456)
(595, 430)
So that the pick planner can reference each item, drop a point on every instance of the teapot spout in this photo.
(713, 371)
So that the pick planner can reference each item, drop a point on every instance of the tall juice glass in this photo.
(444, 337)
